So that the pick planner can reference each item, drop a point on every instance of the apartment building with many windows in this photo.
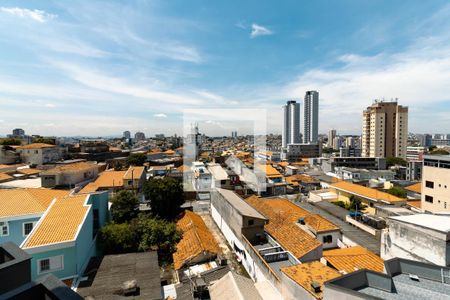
(436, 184)
(385, 130)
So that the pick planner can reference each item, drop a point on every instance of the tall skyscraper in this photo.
(311, 117)
(291, 124)
(385, 130)
(126, 135)
(331, 136)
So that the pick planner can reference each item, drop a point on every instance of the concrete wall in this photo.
(415, 243)
(247, 262)
(292, 290)
(39, 156)
(335, 236)
(441, 191)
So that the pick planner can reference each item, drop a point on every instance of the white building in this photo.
(39, 153)
(420, 237)
(291, 123)
(311, 117)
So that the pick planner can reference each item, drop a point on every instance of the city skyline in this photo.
(82, 74)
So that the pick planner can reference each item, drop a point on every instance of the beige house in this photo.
(39, 153)
(69, 175)
(133, 179)
(435, 195)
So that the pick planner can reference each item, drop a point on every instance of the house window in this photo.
(4, 229)
(251, 222)
(50, 264)
(327, 239)
(44, 265)
(27, 228)
(428, 198)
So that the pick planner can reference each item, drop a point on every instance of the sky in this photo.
(98, 68)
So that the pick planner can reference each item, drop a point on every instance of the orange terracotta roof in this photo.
(134, 173)
(283, 209)
(282, 225)
(416, 188)
(365, 192)
(60, 223)
(109, 179)
(169, 152)
(283, 164)
(69, 168)
(270, 170)
(301, 178)
(415, 203)
(29, 171)
(89, 188)
(183, 168)
(37, 146)
(5, 177)
(17, 202)
(347, 260)
(196, 240)
(307, 273)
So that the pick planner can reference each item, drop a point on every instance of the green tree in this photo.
(432, 148)
(124, 206)
(10, 142)
(165, 196)
(439, 152)
(156, 233)
(137, 159)
(393, 161)
(356, 204)
(328, 150)
(118, 238)
(397, 191)
(45, 140)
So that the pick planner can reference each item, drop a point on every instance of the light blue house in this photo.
(21, 209)
(63, 237)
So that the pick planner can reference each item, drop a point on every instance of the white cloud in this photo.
(50, 105)
(258, 30)
(34, 14)
(160, 115)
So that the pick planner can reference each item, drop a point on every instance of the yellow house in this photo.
(344, 190)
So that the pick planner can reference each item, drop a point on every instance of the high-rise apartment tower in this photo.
(291, 123)
(311, 117)
(385, 130)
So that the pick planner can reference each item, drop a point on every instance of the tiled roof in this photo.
(60, 223)
(416, 188)
(5, 177)
(354, 258)
(196, 240)
(183, 168)
(109, 179)
(311, 272)
(282, 217)
(75, 167)
(17, 202)
(133, 173)
(301, 178)
(415, 203)
(29, 171)
(36, 146)
(281, 208)
(270, 170)
(89, 188)
(365, 192)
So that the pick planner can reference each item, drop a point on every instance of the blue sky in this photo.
(99, 68)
